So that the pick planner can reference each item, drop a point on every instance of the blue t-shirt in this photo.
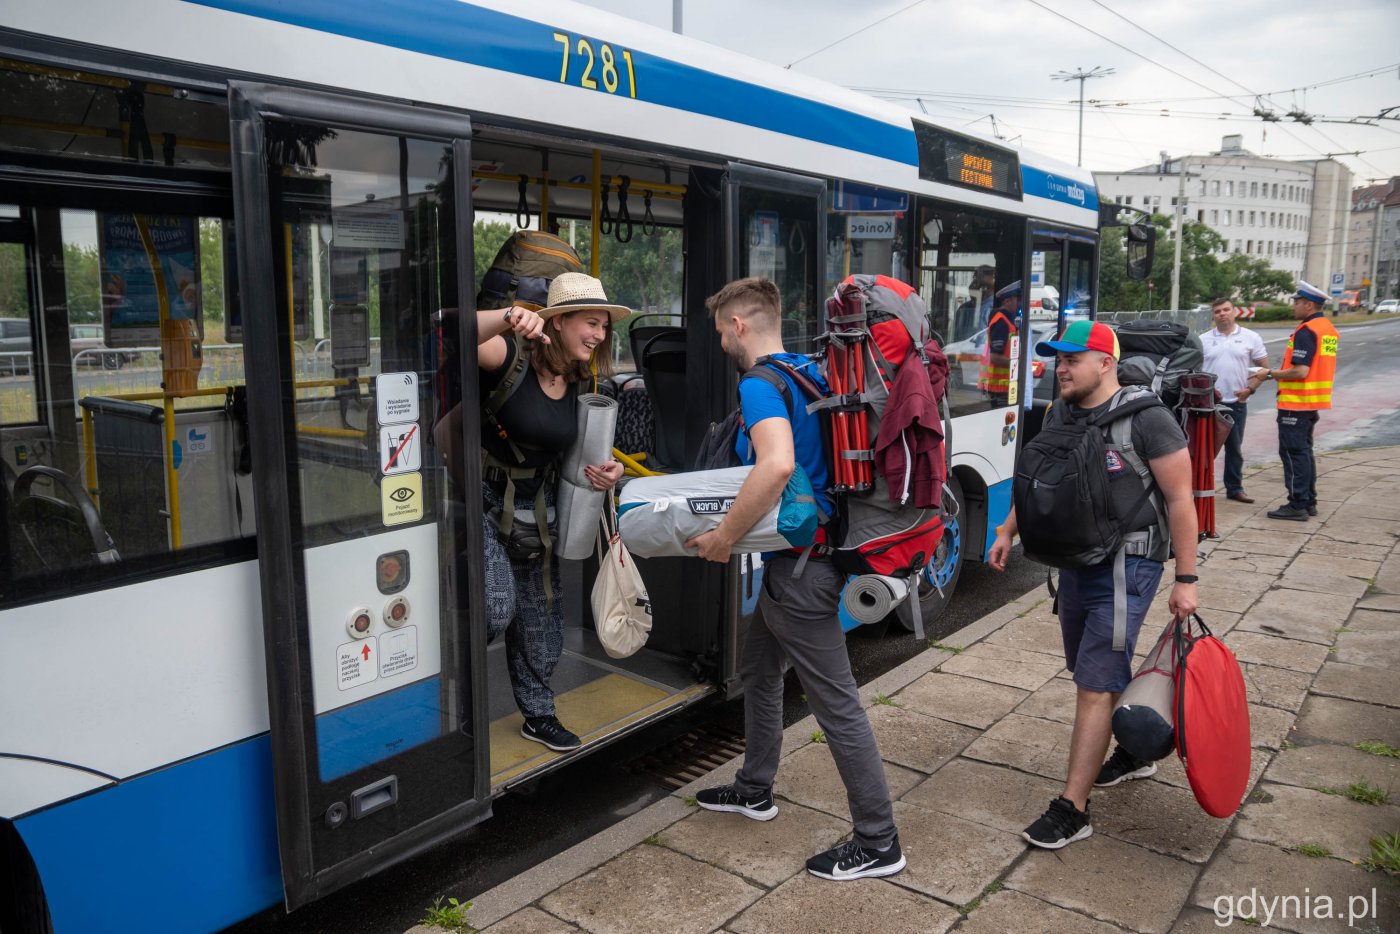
(759, 400)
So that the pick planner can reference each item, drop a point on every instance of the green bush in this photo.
(1274, 313)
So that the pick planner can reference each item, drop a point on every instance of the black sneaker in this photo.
(1296, 513)
(1312, 510)
(551, 732)
(1060, 826)
(850, 861)
(1123, 766)
(726, 798)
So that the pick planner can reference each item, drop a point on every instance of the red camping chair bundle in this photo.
(1207, 426)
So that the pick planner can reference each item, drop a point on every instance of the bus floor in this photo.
(595, 697)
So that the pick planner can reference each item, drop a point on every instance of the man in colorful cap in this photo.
(1102, 606)
(1304, 389)
(994, 373)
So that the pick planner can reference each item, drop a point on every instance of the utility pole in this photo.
(676, 16)
(1081, 76)
(1178, 228)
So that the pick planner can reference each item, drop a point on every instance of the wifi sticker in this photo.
(397, 394)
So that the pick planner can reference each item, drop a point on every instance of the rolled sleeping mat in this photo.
(579, 504)
(1142, 718)
(870, 598)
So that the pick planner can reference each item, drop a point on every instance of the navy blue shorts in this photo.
(1086, 621)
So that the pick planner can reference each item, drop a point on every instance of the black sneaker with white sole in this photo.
(726, 798)
(550, 732)
(1059, 826)
(1123, 766)
(850, 861)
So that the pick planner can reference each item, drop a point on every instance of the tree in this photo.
(487, 237)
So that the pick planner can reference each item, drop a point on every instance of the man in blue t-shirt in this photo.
(797, 609)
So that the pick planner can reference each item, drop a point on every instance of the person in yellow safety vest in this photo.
(1304, 389)
(994, 372)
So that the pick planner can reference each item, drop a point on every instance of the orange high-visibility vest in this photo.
(1314, 390)
(994, 377)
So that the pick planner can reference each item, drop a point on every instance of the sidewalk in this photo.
(975, 740)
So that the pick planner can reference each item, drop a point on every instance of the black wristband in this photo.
(1186, 578)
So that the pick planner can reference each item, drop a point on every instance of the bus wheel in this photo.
(942, 572)
(23, 907)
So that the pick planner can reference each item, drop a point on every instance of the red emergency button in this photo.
(359, 622)
(396, 612)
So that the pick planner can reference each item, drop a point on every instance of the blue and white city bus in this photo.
(240, 612)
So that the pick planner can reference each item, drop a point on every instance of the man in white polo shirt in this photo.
(1231, 351)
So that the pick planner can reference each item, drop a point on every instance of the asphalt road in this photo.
(585, 798)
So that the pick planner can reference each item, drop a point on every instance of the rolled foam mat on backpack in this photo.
(869, 598)
(580, 505)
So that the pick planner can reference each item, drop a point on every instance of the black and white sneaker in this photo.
(1123, 766)
(850, 861)
(726, 798)
(1061, 825)
(550, 732)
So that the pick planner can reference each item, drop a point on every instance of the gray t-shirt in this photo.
(1155, 433)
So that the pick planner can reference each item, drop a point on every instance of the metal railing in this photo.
(1197, 321)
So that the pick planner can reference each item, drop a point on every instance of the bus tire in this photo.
(945, 567)
(23, 907)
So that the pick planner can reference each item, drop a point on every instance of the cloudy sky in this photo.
(1186, 72)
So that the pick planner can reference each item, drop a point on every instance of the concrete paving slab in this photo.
(951, 859)
(1160, 817)
(1364, 620)
(1298, 614)
(1265, 649)
(1269, 541)
(1108, 880)
(1292, 816)
(808, 904)
(1377, 649)
(1253, 880)
(1313, 579)
(1326, 546)
(530, 921)
(1347, 723)
(1170, 772)
(1360, 531)
(1232, 561)
(1033, 635)
(1200, 921)
(1358, 683)
(1348, 566)
(765, 852)
(998, 797)
(1219, 597)
(1269, 726)
(651, 888)
(917, 741)
(809, 777)
(1387, 579)
(1026, 743)
(1009, 910)
(1385, 602)
(969, 701)
(1002, 664)
(1275, 687)
(1331, 766)
(1055, 701)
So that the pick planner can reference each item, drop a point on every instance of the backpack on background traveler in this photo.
(1156, 354)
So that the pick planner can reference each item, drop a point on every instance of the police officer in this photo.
(1304, 389)
(994, 371)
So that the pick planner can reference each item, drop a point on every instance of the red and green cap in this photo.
(1080, 336)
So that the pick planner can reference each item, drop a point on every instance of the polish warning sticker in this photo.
(401, 498)
(356, 663)
(397, 394)
(398, 651)
(399, 449)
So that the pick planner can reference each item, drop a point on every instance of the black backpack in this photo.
(1064, 505)
(1156, 354)
(717, 451)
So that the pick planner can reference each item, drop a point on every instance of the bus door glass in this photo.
(347, 234)
(775, 227)
(1063, 277)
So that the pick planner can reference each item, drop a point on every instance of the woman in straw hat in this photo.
(523, 444)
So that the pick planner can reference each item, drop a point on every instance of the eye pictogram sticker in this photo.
(401, 498)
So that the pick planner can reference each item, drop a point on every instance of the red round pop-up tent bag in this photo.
(1212, 720)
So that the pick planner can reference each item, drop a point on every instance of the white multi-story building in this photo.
(1373, 242)
(1292, 214)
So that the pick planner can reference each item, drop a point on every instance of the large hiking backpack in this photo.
(1065, 511)
(1156, 354)
(523, 268)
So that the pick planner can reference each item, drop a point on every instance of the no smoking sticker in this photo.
(401, 498)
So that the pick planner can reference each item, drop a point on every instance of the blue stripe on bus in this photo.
(372, 730)
(998, 505)
(191, 847)
(459, 32)
(1044, 184)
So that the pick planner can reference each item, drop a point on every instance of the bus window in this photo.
(778, 241)
(120, 443)
(865, 229)
(965, 258)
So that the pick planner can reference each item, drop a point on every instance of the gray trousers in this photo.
(797, 619)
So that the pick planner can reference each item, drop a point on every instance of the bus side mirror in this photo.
(1140, 246)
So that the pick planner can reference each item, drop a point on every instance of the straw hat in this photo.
(576, 291)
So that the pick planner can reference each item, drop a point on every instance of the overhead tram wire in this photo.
(850, 35)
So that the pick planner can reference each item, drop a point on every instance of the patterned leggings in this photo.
(515, 605)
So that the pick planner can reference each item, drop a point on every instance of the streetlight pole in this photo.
(1081, 76)
(1178, 229)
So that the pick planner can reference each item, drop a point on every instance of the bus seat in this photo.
(663, 368)
(642, 329)
(62, 532)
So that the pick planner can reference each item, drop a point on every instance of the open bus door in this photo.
(774, 227)
(1064, 277)
(353, 226)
